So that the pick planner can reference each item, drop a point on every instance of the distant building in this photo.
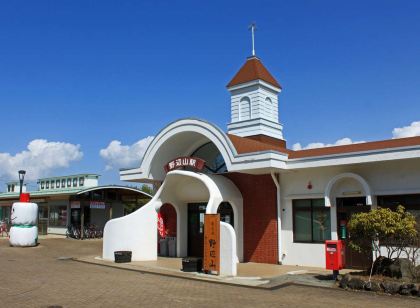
(15, 187)
(73, 199)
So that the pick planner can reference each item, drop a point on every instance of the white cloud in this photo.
(314, 145)
(407, 131)
(40, 158)
(117, 155)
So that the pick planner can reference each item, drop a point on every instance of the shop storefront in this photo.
(83, 205)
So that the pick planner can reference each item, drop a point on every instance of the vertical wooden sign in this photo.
(211, 243)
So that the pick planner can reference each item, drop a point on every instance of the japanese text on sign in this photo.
(182, 162)
(211, 242)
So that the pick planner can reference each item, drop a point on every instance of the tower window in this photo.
(244, 109)
(270, 107)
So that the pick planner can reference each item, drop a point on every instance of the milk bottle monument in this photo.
(24, 216)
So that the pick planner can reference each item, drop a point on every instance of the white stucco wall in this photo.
(228, 254)
(397, 177)
(137, 232)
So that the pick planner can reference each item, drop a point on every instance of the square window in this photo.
(63, 183)
(75, 182)
(57, 184)
(68, 182)
(81, 181)
(47, 184)
(42, 185)
(311, 221)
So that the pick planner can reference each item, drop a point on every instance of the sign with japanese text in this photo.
(97, 205)
(161, 226)
(211, 243)
(75, 204)
(180, 162)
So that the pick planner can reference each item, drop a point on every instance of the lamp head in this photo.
(21, 174)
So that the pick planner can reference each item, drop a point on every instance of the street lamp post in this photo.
(21, 178)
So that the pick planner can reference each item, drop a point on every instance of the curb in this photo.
(271, 287)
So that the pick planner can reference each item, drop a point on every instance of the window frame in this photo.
(311, 210)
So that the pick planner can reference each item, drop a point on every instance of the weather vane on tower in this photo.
(253, 27)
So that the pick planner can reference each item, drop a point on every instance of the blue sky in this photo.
(90, 72)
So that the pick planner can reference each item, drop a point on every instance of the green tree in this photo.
(147, 189)
(394, 230)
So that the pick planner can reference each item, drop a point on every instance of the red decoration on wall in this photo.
(161, 226)
(180, 162)
(309, 185)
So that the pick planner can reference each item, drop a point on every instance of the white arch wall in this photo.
(137, 231)
(347, 175)
(181, 138)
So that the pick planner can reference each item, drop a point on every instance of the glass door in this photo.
(346, 207)
(196, 213)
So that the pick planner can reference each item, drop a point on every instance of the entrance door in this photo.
(196, 213)
(346, 207)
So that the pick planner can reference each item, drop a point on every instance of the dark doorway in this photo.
(346, 207)
(196, 213)
(226, 213)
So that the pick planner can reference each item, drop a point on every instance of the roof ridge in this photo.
(253, 69)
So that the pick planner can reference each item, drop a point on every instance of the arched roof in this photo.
(117, 187)
(185, 136)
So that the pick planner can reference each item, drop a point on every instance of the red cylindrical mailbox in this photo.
(334, 255)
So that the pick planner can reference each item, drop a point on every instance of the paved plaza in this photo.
(44, 277)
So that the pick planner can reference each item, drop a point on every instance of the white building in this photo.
(283, 204)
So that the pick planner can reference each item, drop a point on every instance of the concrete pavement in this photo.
(44, 276)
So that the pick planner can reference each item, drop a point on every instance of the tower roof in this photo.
(253, 69)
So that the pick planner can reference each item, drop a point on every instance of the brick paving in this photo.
(34, 277)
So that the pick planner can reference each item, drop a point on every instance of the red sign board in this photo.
(211, 243)
(180, 162)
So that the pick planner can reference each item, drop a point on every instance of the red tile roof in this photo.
(248, 145)
(357, 147)
(253, 69)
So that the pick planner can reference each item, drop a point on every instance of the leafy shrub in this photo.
(395, 230)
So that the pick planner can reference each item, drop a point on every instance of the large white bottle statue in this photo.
(24, 218)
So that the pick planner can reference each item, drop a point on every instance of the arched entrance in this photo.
(137, 231)
(193, 195)
(347, 194)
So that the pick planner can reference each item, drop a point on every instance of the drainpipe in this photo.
(276, 181)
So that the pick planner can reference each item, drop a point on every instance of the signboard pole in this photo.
(211, 243)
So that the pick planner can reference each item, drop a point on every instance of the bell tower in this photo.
(254, 101)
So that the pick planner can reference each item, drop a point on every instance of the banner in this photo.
(97, 205)
(161, 226)
(75, 204)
